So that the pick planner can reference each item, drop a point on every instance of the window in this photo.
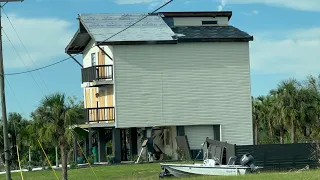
(93, 59)
(209, 22)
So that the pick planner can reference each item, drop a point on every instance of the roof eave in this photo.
(72, 40)
(138, 42)
(79, 34)
(242, 39)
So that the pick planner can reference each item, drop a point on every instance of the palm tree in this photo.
(278, 113)
(28, 138)
(257, 116)
(16, 124)
(290, 102)
(57, 117)
(269, 116)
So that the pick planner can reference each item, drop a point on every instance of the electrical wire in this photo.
(43, 67)
(14, 29)
(21, 59)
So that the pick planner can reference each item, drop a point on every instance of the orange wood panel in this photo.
(93, 114)
(101, 61)
(87, 98)
(102, 103)
(110, 102)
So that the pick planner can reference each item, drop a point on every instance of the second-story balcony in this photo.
(99, 115)
(97, 75)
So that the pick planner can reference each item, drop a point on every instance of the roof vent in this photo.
(209, 22)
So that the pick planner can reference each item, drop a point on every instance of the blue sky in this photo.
(286, 32)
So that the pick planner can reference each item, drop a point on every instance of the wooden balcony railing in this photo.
(96, 73)
(99, 114)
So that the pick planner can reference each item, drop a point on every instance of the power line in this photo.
(23, 72)
(43, 67)
(14, 29)
(21, 59)
(134, 23)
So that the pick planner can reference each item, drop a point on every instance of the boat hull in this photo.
(183, 170)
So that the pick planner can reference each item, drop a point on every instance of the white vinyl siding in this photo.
(185, 84)
(197, 135)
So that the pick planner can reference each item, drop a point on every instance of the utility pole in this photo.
(3, 100)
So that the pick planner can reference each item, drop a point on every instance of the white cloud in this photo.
(151, 3)
(304, 5)
(222, 4)
(44, 39)
(134, 1)
(255, 12)
(296, 53)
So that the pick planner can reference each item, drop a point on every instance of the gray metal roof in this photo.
(195, 33)
(103, 26)
(157, 28)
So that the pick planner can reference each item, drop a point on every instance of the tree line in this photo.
(48, 128)
(290, 113)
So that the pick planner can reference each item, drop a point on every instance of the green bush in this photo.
(73, 165)
(166, 157)
(134, 158)
(90, 159)
(110, 159)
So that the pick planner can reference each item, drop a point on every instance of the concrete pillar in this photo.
(75, 149)
(102, 145)
(116, 144)
(180, 131)
(148, 132)
(133, 142)
(86, 146)
(90, 142)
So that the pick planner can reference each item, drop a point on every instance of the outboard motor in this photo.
(248, 160)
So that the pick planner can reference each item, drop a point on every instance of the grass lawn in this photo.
(151, 171)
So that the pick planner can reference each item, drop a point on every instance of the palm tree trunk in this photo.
(281, 134)
(271, 132)
(64, 157)
(305, 132)
(57, 158)
(256, 133)
(293, 131)
(30, 154)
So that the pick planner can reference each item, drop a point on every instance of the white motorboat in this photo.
(211, 167)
